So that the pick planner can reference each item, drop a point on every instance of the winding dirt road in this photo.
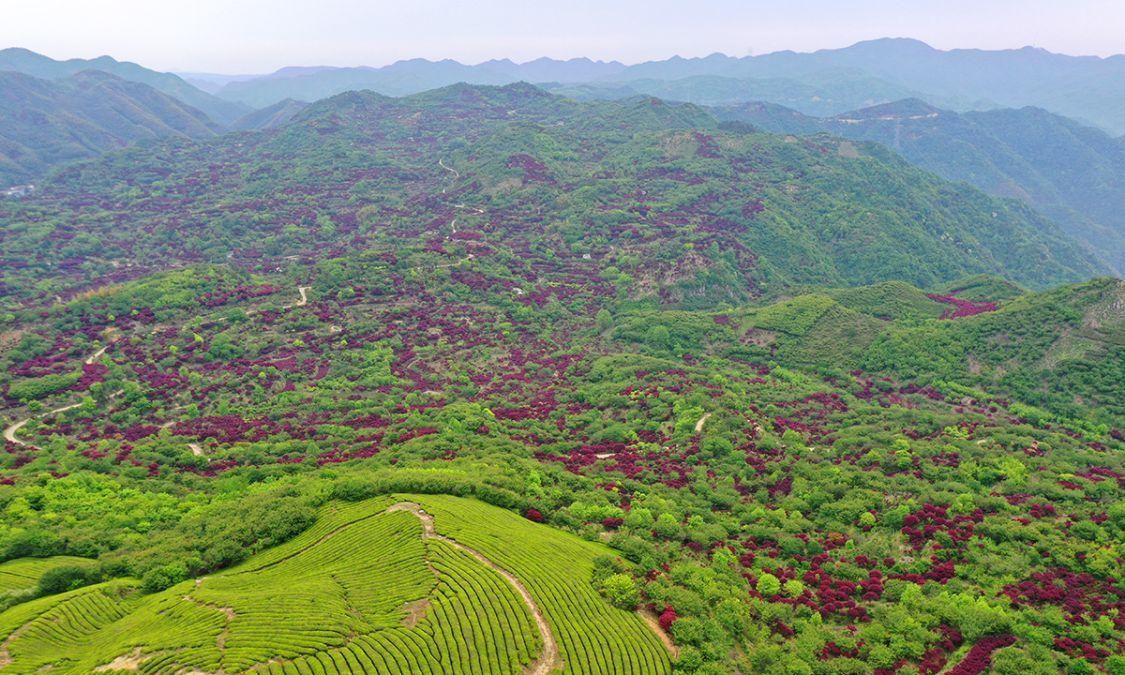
(303, 300)
(95, 356)
(12, 429)
(701, 422)
(548, 660)
(455, 173)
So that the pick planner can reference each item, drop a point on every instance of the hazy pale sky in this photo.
(250, 36)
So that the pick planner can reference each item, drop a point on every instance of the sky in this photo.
(258, 36)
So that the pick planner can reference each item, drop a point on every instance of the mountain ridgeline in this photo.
(43, 67)
(693, 213)
(51, 122)
(825, 82)
(1073, 174)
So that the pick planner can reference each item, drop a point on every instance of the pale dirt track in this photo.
(12, 429)
(548, 660)
(303, 300)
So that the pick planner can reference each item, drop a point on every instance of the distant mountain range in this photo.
(884, 90)
(1072, 173)
(823, 94)
(826, 82)
(271, 116)
(44, 123)
(28, 62)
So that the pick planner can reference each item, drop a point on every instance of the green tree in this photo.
(768, 585)
(622, 591)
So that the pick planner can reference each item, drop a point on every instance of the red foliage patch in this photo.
(961, 307)
(667, 618)
(1079, 594)
(979, 658)
(534, 171)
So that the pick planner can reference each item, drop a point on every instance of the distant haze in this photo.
(254, 36)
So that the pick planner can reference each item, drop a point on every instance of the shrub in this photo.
(621, 590)
(354, 490)
(65, 578)
(768, 585)
(36, 388)
(166, 576)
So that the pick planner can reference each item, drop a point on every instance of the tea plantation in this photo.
(372, 587)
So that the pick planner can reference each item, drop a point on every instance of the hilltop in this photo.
(43, 67)
(47, 123)
(684, 211)
(1073, 174)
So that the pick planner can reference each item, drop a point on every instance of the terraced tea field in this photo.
(415, 584)
(23, 574)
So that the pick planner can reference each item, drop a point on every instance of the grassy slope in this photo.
(338, 594)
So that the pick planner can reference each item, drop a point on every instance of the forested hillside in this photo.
(1073, 174)
(684, 211)
(488, 380)
(47, 123)
(43, 67)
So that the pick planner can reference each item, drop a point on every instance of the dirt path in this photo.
(196, 449)
(455, 173)
(131, 661)
(654, 623)
(227, 612)
(701, 422)
(548, 660)
(301, 301)
(11, 429)
(95, 356)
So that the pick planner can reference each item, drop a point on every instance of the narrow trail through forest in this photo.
(303, 300)
(456, 174)
(12, 429)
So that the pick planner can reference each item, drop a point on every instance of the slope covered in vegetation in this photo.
(1073, 174)
(672, 206)
(606, 318)
(382, 588)
(47, 123)
(782, 477)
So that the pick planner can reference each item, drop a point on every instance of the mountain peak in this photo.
(907, 108)
(896, 42)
